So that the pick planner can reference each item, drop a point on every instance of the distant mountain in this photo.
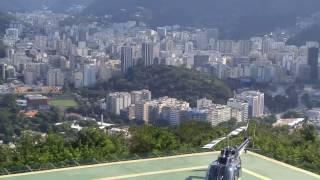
(310, 34)
(237, 18)
(29, 5)
(4, 22)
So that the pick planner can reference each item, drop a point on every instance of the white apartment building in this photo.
(239, 109)
(118, 101)
(90, 75)
(255, 100)
(218, 113)
(55, 77)
(138, 96)
(164, 108)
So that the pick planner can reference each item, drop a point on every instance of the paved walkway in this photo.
(184, 167)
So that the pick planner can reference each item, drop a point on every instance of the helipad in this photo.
(184, 167)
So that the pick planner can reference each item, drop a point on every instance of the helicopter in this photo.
(228, 165)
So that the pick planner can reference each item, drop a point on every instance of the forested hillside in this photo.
(180, 83)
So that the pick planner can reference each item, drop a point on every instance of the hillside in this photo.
(236, 18)
(309, 34)
(4, 22)
(55, 5)
(170, 81)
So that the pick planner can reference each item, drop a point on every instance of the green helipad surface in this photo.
(185, 167)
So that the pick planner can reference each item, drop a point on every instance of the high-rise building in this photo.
(201, 60)
(203, 103)
(162, 32)
(162, 109)
(139, 96)
(89, 75)
(78, 79)
(147, 54)
(10, 72)
(55, 77)
(245, 47)
(126, 58)
(225, 46)
(255, 100)
(313, 55)
(218, 113)
(118, 101)
(202, 39)
(3, 68)
(129, 112)
(29, 76)
(11, 36)
(142, 111)
(41, 42)
(266, 45)
(188, 47)
(239, 109)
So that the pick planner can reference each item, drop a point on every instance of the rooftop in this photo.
(186, 167)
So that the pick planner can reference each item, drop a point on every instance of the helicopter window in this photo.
(216, 173)
(223, 160)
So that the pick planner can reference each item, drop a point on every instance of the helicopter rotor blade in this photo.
(213, 143)
(235, 132)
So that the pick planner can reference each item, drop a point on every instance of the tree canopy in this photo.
(298, 147)
(181, 83)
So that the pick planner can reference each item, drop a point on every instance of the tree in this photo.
(27, 151)
(292, 114)
(176, 82)
(94, 143)
(148, 138)
(197, 134)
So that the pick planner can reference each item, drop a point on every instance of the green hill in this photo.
(180, 83)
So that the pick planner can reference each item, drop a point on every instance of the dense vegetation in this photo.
(13, 123)
(281, 103)
(180, 83)
(299, 147)
(62, 145)
(235, 18)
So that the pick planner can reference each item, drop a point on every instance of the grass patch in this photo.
(65, 103)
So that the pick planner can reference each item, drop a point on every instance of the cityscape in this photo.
(79, 89)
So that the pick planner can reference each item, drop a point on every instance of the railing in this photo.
(111, 158)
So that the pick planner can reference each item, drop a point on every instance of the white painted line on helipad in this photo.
(259, 176)
(255, 174)
(107, 164)
(153, 173)
(285, 165)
